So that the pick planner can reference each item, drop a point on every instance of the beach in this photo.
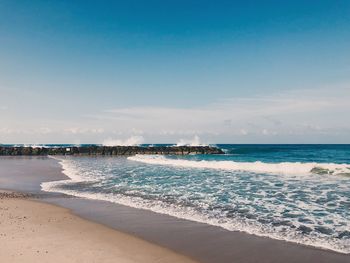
(54, 227)
(175, 131)
(33, 231)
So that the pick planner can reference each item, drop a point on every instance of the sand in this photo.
(202, 242)
(31, 231)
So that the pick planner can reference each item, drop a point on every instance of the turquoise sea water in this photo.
(297, 193)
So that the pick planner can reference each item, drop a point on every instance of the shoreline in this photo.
(33, 231)
(199, 241)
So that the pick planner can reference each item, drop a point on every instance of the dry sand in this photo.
(32, 231)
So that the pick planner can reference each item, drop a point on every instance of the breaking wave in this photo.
(288, 168)
(279, 207)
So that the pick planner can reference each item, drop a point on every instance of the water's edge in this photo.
(175, 212)
(203, 242)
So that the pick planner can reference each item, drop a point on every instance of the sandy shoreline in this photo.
(32, 231)
(202, 242)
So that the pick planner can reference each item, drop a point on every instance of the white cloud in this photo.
(40, 131)
(45, 130)
(75, 130)
(277, 114)
(243, 132)
(309, 114)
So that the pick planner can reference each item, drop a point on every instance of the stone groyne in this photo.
(108, 150)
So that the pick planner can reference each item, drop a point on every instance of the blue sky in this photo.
(164, 71)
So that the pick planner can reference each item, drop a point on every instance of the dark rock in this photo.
(109, 150)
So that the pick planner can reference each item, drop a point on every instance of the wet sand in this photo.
(202, 242)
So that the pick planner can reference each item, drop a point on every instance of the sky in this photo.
(119, 72)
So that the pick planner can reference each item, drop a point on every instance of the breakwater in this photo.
(108, 150)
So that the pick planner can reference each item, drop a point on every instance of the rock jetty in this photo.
(108, 150)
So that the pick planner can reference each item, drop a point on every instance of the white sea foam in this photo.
(68, 169)
(32, 145)
(288, 168)
(195, 141)
(76, 174)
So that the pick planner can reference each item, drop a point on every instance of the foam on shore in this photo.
(158, 206)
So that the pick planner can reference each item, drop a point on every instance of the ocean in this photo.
(296, 193)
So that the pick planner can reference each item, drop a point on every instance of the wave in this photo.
(76, 175)
(190, 142)
(287, 168)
